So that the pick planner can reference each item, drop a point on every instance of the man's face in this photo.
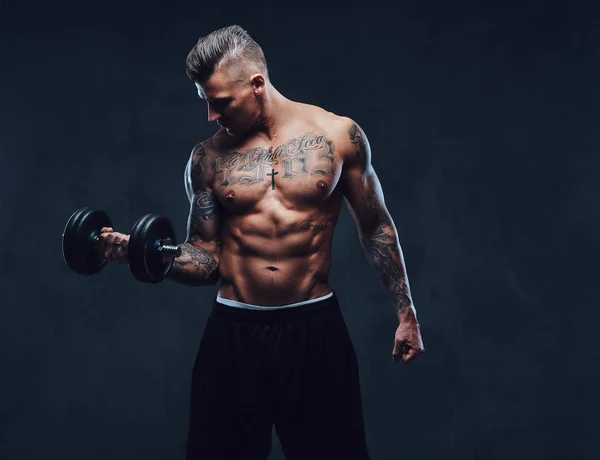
(231, 101)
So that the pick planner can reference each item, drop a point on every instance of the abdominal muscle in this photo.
(263, 269)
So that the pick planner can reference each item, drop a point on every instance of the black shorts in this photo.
(294, 368)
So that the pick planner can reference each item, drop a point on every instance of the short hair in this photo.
(230, 44)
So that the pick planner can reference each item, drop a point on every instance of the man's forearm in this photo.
(384, 253)
(195, 266)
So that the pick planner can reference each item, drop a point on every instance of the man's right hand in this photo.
(113, 245)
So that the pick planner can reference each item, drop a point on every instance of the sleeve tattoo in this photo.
(381, 245)
(197, 265)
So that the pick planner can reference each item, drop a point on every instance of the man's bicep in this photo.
(360, 184)
(364, 197)
(203, 219)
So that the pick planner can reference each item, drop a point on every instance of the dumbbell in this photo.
(150, 252)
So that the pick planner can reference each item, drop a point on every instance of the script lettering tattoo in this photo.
(309, 154)
(249, 167)
(307, 225)
(357, 138)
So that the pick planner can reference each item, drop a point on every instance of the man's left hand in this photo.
(408, 343)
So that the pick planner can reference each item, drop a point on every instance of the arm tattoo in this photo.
(383, 250)
(203, 208)
(370, 206)
(203, 202)
(385, 255)
(357, 139)
(194, 267)
(378, 236)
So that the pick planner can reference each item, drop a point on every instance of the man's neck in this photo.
(275, 113)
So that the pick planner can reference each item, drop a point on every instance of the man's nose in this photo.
(213, 115)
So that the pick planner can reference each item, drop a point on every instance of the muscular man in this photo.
(265, 194)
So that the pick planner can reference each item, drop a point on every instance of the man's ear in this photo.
(258, 82)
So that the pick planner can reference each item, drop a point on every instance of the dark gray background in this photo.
(483, 126)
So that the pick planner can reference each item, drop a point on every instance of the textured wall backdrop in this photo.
(483, 127)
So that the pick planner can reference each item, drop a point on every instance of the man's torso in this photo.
(278, 204)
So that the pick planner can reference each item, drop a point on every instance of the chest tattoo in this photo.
(306, 155)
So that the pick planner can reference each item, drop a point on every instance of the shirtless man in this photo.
(265, 194)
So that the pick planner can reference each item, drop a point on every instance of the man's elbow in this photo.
(376, 224)
(212, 266)
(212, 274)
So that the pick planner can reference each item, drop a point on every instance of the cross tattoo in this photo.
(272, 174)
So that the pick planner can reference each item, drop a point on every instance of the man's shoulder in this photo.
(341, 129)
(330, 121)
(205, 149)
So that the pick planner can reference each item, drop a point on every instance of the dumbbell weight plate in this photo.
(145, 261)
(78, 245)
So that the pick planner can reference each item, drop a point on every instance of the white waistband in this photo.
(235, 303)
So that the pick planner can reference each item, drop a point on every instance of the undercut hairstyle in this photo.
(230, 45)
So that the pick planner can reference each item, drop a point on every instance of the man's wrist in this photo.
(406, 313)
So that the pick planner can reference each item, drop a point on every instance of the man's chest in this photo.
(302, 170)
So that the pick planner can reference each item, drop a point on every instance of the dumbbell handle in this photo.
(167, 250)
